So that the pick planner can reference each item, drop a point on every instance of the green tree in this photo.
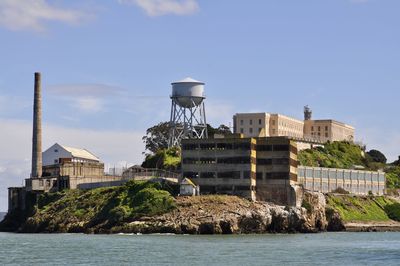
(222, 129)
(377, 156)
(167, 159)
(157, 137)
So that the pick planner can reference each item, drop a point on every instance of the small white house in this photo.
(188, 188)
(59, 153)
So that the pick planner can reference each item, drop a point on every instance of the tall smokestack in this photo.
(37, 130)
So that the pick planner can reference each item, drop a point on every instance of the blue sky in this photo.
(107, 67)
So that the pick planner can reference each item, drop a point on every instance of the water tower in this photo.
(188, 116)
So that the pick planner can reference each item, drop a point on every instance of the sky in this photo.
(107, 67)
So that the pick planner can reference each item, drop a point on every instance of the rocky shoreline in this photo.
(215, 215)
(212, 214)
(391, 226)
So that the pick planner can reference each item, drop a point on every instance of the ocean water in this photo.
(301, 249)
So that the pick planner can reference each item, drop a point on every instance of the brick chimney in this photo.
(37, 130)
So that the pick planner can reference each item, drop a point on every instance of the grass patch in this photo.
(306, 205)
(338, 154)
(356, 208)
(102, 207)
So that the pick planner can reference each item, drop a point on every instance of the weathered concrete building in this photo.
(69, 168)
(273, 125)
(266, 169)
(256, 168)
(226, 166)
(328, 130)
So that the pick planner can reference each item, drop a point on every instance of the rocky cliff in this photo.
(143, 207)
(140, 207)
(217, 214)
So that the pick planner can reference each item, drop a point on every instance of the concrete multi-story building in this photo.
(266, 169)
(281, 125)
(267, 125)
(272, 125)
(225, 165)
(328, 130)
(236, 165)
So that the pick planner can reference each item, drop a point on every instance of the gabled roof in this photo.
(187, 181)
(80, 153)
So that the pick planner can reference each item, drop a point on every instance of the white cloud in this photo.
(32, 14)
(89, 98)
(164, 7)
(112, 146)
(88, 104)
(74, 90)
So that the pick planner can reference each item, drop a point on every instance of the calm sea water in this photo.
(302, 249)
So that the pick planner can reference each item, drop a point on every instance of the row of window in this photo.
(275, 161)
(277, 147)
(273, 175)
(237, 160)
(314, 134)
(236, 175)
(280, 132)
(227, 174)
(319, 128)
(316, 174)
(236, 146)
(251, 131)
(250, 122)
(223, 160)
(217, 146)
(273, 122)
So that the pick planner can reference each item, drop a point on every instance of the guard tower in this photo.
(307, 113)
(188, 116)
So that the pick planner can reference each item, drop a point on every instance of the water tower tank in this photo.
(188, 92)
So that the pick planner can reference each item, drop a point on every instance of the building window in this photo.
(259, 175)
(273, 122)
(251, 130)
(241, 122)
(241, 130)
(312, 128)
(259, 121)
(326, 135)
(55, 150)
(55, 161)
(326, 128)
(251, 121)
(246, 174)
(319, 128)
(207, 175)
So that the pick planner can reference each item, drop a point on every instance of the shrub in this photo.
(340, 190)
(393, 211)
(306, 205)
(377, 156)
